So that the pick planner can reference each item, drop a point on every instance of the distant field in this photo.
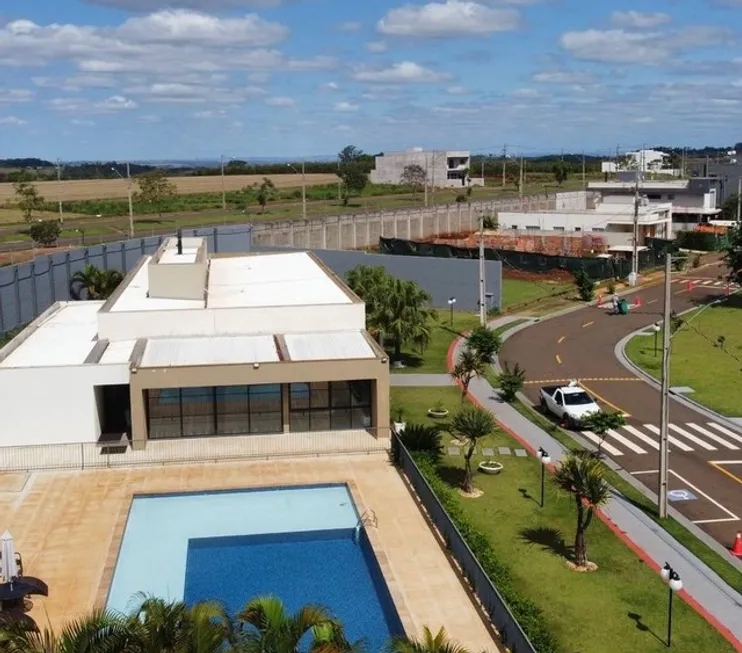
(91, 189)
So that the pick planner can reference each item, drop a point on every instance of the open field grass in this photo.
(620, 607)
(697, 360)
(15, 216)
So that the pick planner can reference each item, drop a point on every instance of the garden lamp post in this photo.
(545, 459)
(656, 329)
(129, 196)
(672, 578)
(451, 302)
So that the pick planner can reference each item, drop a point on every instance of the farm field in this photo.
(90, 189)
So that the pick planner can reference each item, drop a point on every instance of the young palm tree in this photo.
(94, 283)
(471, 425)
(405, 316)
(265, 627)
(428, 643)
(581, 474)
(469, 365)
(96, 632)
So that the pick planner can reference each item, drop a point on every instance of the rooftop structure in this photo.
(444, 169)
(192, 345)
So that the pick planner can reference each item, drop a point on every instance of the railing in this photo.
(492, 603)
(91, 455)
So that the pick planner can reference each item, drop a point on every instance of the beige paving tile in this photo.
(68, 526)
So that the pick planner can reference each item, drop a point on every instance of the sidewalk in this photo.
(704, 590)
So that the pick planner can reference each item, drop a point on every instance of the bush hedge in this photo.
(526, 612)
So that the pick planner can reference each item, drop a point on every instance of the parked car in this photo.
(570, 403)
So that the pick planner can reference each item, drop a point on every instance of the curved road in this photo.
(580, 345)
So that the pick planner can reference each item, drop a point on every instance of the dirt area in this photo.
(557, 245)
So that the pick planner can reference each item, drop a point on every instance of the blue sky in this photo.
(139, 79)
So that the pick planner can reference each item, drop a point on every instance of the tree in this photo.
(353, 178)
(155, 189)
(729, 209)
(28, 197)
(94, 283)
(734, 254)
(600, 423)
(585, 285)
(561, 172)
(428, 643)
(265, 627)
(265, 193)
(468, 366)
(45, 232)
(350, 154)
(414, 175)
(371, 284)
(470, 425)
(485, 343)
(246, 195)
(581, 474)
(406, 317)
(511, 381)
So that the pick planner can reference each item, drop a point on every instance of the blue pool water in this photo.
(296, 543)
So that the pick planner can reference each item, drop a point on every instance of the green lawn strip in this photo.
(711, 371)
(517, 293)
(727, 572)
(621, 607)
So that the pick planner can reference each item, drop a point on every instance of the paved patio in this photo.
(68, 526)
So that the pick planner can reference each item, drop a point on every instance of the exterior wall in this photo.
(227, 321)
(376, 370)
(177, 280)
(388, 168)
(54, 405)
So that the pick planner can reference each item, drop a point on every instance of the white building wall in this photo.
(388, 168)
(54, 405)
(229, 321)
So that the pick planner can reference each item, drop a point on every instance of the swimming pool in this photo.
(298, 543)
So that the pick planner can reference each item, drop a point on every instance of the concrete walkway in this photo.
(704, 586)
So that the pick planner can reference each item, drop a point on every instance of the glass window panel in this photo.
(361, 418)
(163, 411)
(361, 392)
(300, 421)
(265, 398)
(340, 418)
(340, 394)
(232, 410)
(299, 396)
(266, 422)
(197, 405)
(320, 395)
(320, 420)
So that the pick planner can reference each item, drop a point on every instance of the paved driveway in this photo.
(580, 345)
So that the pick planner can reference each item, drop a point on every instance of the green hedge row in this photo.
(526, 612)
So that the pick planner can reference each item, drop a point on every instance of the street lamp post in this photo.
(656, 329)
(545, 460)
(131, 201)
(303, 189)
(672, 578)
(224, 191)
(451, 302)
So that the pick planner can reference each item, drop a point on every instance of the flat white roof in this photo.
(170, 256)
(271, 280)
(64, 338)
(338, 345)
(117, 352)
(646, 185)
(221, 350)
(134, 296)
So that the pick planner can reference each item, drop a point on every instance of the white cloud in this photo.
(457, 90)
(639, 20)
(452, 18)
(526, 93)
(155, 5)
(345, 106)
(406, 72)
(115, 103)
(210, 113)
(12, 120)
(330, 86)
(280, 102)
(15, 95)
(563, 77)
(82, 123)
(83, 105)
(375, 47)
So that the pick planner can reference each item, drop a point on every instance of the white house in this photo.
(444, 169)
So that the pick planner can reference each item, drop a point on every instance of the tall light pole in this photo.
(59, 190)
(739, 201)
(665, 405)
(482, 304)
(545, 460)
(672, 578)
(635, 250)
(129, 194)
(303, 189)
(224, 191)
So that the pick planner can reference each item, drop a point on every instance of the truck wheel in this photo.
(571, 424)
(544, 407)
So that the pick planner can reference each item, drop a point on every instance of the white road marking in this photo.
(726, 462)
(646, 471)
(692, 438)
(604, 446)
(715, 521)
(704, 495)
(675, 280)
(625, 442)
(718, 283)
(644, 438)
(713, 436)
(706, 283)
(725, 431)
(680, 445)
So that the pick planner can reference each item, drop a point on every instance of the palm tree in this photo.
(96, 283)
(581, 474)
(469, 365)
(428, 643)
(97, 632)
(405, 316)
(265, 627)
(370, 283)
(173, 627)
(423, 438)
(471, 425)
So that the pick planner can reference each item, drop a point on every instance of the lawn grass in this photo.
(714, 373)
(621, 607)
(517, 292)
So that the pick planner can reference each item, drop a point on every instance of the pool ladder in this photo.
(368, 517)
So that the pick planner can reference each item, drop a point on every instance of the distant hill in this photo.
(25, 163)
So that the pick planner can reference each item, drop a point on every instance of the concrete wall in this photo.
(388, 169)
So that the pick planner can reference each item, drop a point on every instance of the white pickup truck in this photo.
(570, 403)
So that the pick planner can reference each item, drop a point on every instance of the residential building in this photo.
(727, 175)
(198, 346)
(693, 200)
(647, 161)
(445, 169)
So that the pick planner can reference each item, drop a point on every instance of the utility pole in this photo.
(59, 190)
(504, 163)
(665, 406)
(482, 294)
(635, 251)
(584, 180)
(739, 201)
(520, 179)
(131, 201)
(483, 171)
(425, 185)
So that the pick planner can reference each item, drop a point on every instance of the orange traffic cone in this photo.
(736, 549)
(638, 301)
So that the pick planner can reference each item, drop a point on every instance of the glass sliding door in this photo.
(333, 406)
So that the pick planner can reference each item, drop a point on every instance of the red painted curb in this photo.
(722, 630)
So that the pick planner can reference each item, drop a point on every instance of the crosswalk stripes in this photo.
(642, 439)
(707, 282)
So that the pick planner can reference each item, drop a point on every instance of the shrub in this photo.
(485, 343)
(422, 438)
(696, 261)
(611, 287)
(45, 232)
(585, 285)
(511, 381)
(526, 612)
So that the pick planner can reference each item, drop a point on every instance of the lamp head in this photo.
(665, 572)
(675, 583)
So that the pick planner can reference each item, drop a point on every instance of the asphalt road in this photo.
(580, 345)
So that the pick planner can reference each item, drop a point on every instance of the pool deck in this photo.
(68, 526)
